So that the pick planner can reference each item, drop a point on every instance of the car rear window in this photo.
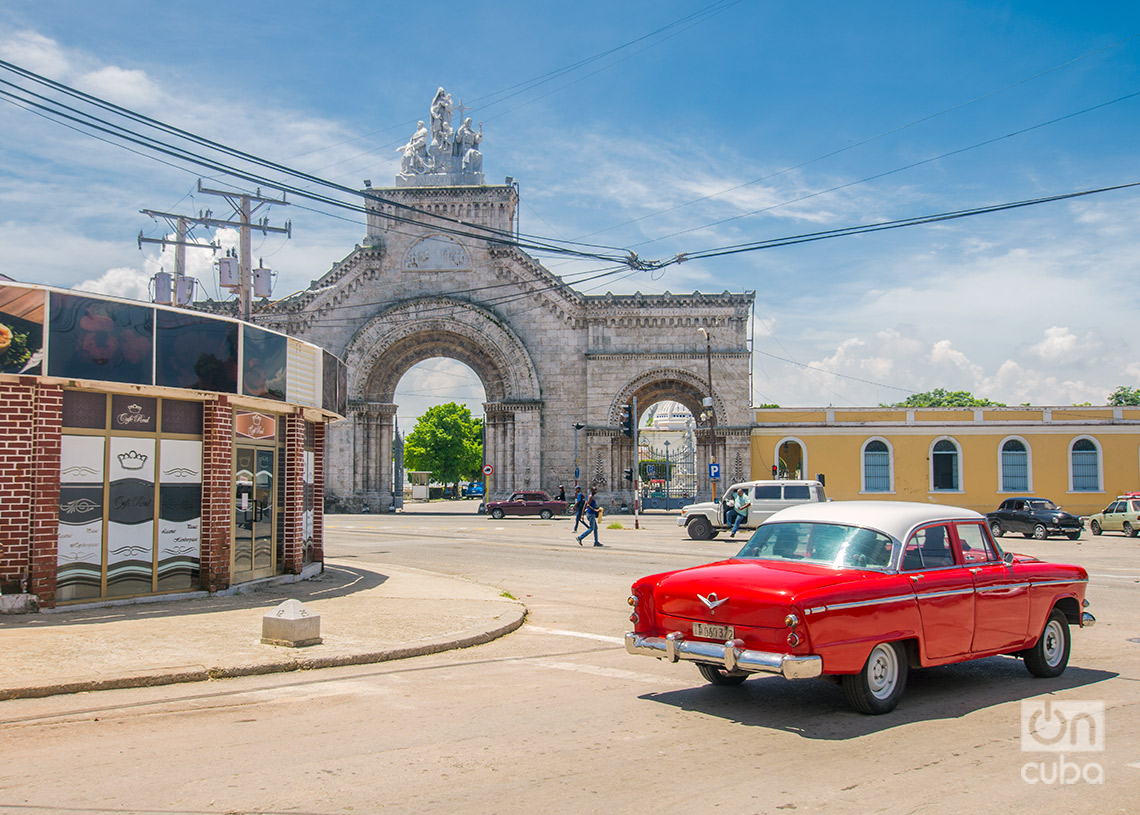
(797, 492)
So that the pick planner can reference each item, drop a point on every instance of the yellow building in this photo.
(1078, 457)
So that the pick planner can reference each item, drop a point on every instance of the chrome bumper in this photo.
(1087, 620)
(681, 520)
(730, 655)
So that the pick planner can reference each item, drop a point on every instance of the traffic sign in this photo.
(714, 471)
(488, 469)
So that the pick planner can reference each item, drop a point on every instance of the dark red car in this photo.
(531, 502)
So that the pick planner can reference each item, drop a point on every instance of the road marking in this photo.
(582, 635)
(593, 670)
(1117, 576)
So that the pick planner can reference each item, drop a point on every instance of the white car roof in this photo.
(797, 482)
(895, 518)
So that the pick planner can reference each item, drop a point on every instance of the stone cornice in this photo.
(664, 355)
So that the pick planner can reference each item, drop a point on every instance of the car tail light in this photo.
(794, 639)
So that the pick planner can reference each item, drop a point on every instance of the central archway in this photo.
(393, 341)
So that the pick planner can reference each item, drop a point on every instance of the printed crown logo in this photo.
(134, 460)
(134, 408)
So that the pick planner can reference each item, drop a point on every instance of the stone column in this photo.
(385, 428)
(526, 445)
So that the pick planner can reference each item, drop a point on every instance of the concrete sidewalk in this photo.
(368, 614)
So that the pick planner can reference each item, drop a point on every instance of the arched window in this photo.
(876, 467)
(944, 460)
(1014, 466)
(1085, 466)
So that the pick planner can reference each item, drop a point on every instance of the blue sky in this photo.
(716, 123)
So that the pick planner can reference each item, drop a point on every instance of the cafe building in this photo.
(151, 450)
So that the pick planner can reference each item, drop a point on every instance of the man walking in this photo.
(591, 517)
(579, 505)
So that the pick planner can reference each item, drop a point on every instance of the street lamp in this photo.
(577, 426)
(708, 410)
(668, 475)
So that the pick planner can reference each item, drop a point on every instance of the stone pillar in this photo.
(526, 444)
(385, 428)
(319, 434)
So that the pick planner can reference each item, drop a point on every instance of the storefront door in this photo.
(255, 506)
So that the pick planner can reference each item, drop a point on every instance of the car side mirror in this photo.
(1007, 557)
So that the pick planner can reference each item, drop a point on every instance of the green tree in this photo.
(940, 397)
(448, 442)
(1124, 395)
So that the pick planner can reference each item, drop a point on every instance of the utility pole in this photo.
(244, 206)
(177, 223)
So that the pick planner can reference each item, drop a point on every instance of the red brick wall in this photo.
(293, 511)
(217, 478)
(44, 539)
(319, 493)
(17, 407)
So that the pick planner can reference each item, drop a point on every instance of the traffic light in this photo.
(628, 473)
(775, 470)
(626, 421)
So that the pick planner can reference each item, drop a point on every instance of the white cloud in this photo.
(133, 284)
(128, 88)
(36, 53)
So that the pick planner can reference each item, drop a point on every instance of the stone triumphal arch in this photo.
(420, 286)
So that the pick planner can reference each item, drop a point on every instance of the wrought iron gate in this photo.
(668, 473)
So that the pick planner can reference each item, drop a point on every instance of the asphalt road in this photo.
(557, 717)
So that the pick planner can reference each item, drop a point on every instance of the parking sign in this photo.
(714, 471)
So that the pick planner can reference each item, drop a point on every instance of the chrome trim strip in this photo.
(1057, 582)
(946, 593)
(1000, 586)
(860, 603)
(727, 654)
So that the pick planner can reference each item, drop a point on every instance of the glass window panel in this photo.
(196, 352)
(264, 360)
(100, 339)
(1014, 467)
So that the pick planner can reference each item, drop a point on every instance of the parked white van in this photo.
(705, 520)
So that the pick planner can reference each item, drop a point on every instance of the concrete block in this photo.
(19, 604)
(291, 625)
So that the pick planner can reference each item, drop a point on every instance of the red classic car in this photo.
(534, 502)
(861, 591)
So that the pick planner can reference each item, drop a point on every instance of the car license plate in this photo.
(713, 632)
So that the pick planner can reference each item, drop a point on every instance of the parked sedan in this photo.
(1122, 515)
(527, 503)
(861, 591)
(1033, 517)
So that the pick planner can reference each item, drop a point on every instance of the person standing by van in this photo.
(741, 504)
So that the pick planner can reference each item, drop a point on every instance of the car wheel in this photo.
(546, 514)
(1129, 532)
(719, 676)
(1095, 528)
(879, 686)
(1039, 532)
(497, 514)
(700, 529)
(996, 529)
(1050, 655)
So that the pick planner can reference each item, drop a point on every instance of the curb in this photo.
(464, 640)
